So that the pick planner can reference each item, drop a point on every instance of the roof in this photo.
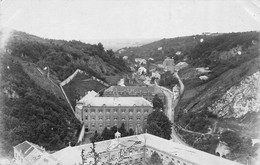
(117, 101)
(88, 96)
(72, 154)
(184, 152)
(134, 89)
(27, 147)
(23, 147)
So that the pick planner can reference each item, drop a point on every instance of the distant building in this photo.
(148, 92)
(168, 64)
(27, 153)
(99, 112)
(136, 150)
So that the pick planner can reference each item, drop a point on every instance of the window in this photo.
(86, 110)
(115, 118)
(138, 118)
(107, 118)
(100, 118)
(93, 125)
(131, 118)
(92, 110)
(100, 125)
(100, 110)
(93, 118)
(115, 110)
(131, 110)
(123, 110)
(86, 117)
(146, 110)
(123, 118)
(138, 110)
(136, 160)
(108, 126)
(108, 110)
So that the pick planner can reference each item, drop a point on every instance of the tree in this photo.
(114, 130)
(155, 159)
(106, 134)
(154, 129)
(131, 132)
(162, 121)
(100, 46)
(157, 103)
(122, 130)
(96, 137)
(233, 140)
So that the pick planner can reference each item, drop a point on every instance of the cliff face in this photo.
(239, 99)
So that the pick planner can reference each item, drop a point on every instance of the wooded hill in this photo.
(226, 99)
(34, 107)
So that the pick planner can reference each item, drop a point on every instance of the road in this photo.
(170, 100)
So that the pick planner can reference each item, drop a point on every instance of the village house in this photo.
(27, 153)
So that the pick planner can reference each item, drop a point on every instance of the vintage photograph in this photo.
(129, 82)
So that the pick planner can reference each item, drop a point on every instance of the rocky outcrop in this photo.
(240, 99)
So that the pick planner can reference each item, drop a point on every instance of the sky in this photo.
(128, 19)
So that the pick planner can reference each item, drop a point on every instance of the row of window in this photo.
(115, 110)
(125, 93)
(100, 125)
(115, 118)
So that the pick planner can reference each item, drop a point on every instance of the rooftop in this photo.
(117, 101)
(72, 154)
(134, 89)
(27, 147)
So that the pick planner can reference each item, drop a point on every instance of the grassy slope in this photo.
(78, 87)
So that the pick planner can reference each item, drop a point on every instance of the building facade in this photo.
(137, 150)
(147, 92)
(100, 112)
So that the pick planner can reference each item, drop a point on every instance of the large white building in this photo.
(138, 149)
(96, 113)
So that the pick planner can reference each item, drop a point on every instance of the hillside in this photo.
(34, 107)
(221, 86)
(78, 85)
(64, 57)
(162, 48)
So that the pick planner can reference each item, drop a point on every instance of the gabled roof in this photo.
(27, 147)
(23, 147)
